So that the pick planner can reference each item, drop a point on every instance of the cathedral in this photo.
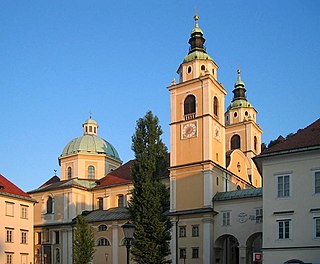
(215, 194)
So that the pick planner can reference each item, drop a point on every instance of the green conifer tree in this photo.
(83, 243)
(150, 197)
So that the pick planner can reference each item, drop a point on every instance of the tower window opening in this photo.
(69, 173)
(90, 128)
(95, 130)
(212, 71)
(215, 106)
(189, 70)
(91, 172)
(86, 129)
(235, 114)
(203, 68)
(190, 107)
(49, 205)
(235, 142)
(246, 113)
(255, 141)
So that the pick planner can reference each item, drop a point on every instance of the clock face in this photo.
(189, 130)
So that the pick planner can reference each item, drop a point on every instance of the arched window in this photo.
(235, 142)
(255, 142)
(103, 242)
(102, 228)
(215, 106)
(57, 255)
(69, 173)
(49, 205)
(91, 172)
(190, 105)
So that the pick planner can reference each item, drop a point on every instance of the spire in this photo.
(239, 92)
(197, 40)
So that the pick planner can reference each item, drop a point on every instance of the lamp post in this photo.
(128, 230)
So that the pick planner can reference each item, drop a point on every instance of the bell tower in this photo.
(242, 130)
(197, 143)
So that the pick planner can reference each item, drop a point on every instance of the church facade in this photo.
(215, 194)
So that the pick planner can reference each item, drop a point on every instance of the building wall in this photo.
(10, 217)
(300, 208)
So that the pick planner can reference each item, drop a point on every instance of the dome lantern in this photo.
(90, 127)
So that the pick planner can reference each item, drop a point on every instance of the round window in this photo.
(235, 114)
(189, 69)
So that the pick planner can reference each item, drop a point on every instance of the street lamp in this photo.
(128, 230)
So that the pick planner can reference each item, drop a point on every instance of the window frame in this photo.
(316, 174)
(121, 200)
(316, 227)
(195, 252)
(9, 209)
(106, 242)
(215, 106)
(183, 231)
(226, 218)
(284, 227)
(235, 142)
(9, 235)
(24, 211)
(182, 253)
(259, 215)
(9, 257)
(24, 237)
(91, 172)
(69, 173)
(102, 228)
(195, 230)
(282, 192)
(190, 105)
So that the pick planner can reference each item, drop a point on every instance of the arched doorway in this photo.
(227, 250)
(254, 246)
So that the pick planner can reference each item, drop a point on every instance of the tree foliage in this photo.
(150, 197)
(83, 243)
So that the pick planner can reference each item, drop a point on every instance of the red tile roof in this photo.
(8, 187)
(307, 137)
(121, 175)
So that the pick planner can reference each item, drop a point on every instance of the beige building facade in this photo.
(16, 224)
(291, 198)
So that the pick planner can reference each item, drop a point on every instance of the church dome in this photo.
(90, 143)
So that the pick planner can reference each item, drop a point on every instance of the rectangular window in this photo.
(195, 230)
(57, 237)
(9, 235)
(317, 227)
(100, 203)
(284, 229)
(226, 218)
(39, 238)
(183, 253)
(24, 236)
(317, 182)
(195, 253)
(24, 212)
(283, 186)
(121, 200)
(9, 209)
(182, 231)
(9, 258)
(259, 215)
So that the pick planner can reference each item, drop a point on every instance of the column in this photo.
(208, 239)
(242, 255)
(115, 243)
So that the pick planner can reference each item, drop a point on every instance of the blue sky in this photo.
(59, 60)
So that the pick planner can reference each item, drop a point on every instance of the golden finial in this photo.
(239, 71)
(196, 16)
